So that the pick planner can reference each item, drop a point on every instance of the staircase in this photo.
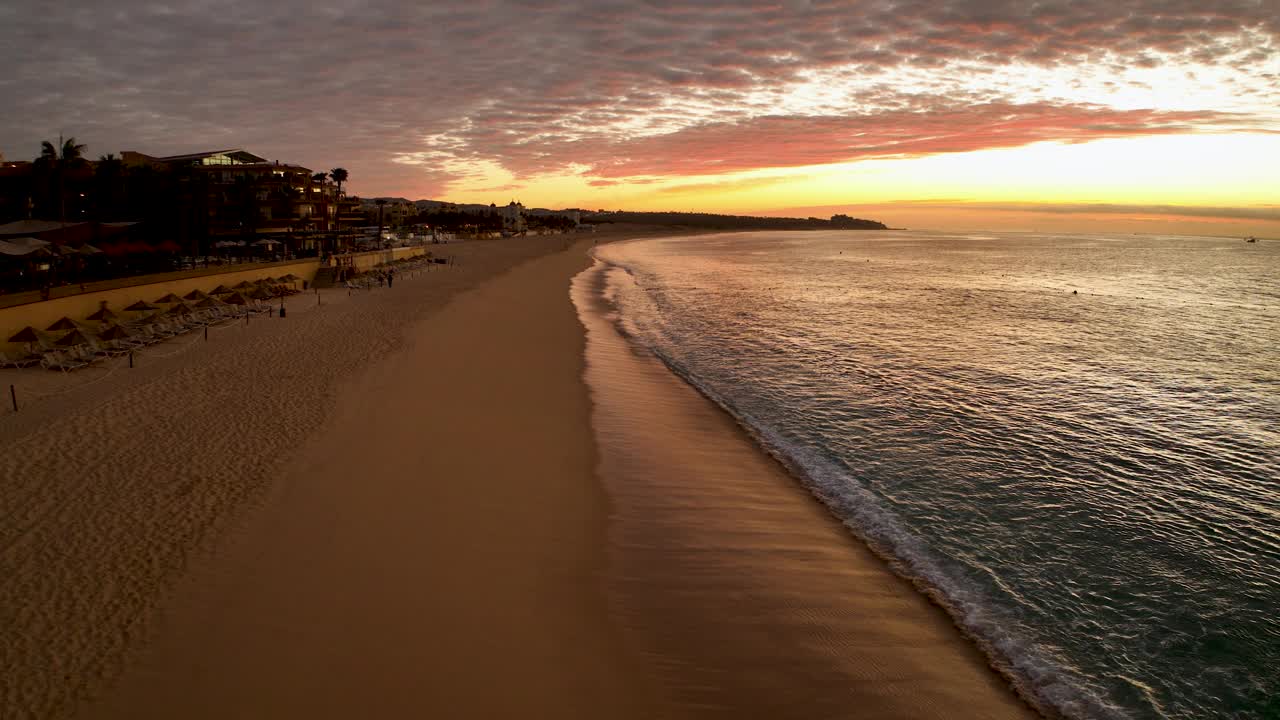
(324, 277)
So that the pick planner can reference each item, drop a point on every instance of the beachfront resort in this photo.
(100, 259)
(66, 220)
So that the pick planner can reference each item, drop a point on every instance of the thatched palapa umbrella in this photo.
(209, 302)
(243, 285)
(261, 294)
(235, 299)
(141, 306)
(114, 332)
(27, 334)
(75, 337)
(65, 323)
(194, 295)
(169, 298)
(221, 290)
(102, 314)
(178, 309)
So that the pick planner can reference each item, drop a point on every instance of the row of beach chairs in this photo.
(368, 280)
(141, 334)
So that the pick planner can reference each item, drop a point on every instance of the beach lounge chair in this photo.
(56, 360)
(18, 361)
(148, 335)
(129, 344)
(83, 353)
(108, 348)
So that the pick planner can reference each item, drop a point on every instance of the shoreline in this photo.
(385, 551)
(756, 596)
(994, 657)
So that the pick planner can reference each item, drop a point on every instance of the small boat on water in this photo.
(1251, 239)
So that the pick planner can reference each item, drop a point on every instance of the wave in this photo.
(1044, 682)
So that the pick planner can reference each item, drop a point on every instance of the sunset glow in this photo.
(951, 115)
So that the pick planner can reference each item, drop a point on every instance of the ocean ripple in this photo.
(1087, 481)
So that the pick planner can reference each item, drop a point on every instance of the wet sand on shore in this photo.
(751, 597)
(391, 505)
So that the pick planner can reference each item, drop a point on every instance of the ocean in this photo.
(1070, 442)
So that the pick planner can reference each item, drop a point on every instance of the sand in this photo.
(119, 483)
(388, 504)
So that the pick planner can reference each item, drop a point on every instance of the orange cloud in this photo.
(800, 141)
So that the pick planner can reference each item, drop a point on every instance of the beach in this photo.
(392, 504)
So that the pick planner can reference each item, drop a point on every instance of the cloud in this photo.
(798, 141)
(407, 95)
(730, 185)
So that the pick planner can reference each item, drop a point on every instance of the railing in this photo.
(61, 291)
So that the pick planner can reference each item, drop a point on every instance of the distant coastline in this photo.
(732, 222)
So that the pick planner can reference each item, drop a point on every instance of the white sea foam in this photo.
(1064, 440)
(1045, 682)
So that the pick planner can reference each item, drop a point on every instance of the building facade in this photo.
(512, 215)
(231, 193)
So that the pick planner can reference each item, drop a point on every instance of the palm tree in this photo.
(57, 161)
(339, 176)
(70, 150)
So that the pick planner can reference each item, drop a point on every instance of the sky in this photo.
(1092, 115)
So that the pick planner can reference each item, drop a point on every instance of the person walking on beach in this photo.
(391, 276)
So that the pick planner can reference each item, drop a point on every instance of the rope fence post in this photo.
(13, 396)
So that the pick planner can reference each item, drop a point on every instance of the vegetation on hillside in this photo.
(732, 222)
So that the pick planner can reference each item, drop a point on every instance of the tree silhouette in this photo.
(339, 176)
(57, 160)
